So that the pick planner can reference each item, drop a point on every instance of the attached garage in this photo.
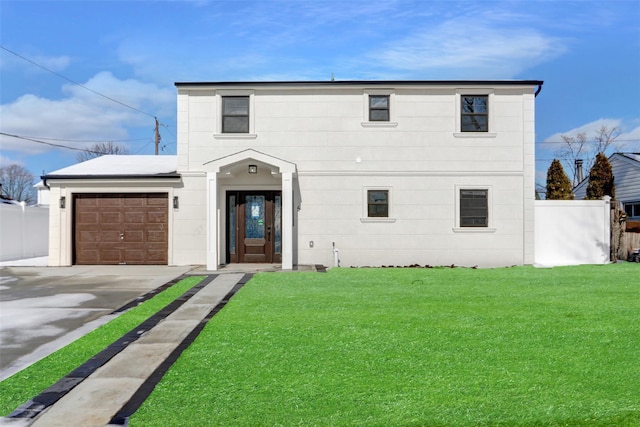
(114, 210)
(128, 228)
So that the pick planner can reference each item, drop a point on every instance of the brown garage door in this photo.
(121, 228)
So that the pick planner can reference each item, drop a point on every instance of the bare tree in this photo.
(17, 183)
(580, 147)
(100, 149)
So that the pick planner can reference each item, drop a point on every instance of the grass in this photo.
(31, 381)
(415, 347)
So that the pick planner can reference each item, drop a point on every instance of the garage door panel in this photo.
(133, 201)
(90, 255)
(156, 217)
(109, 237)
(156, 237)
(110, 217)
(107, 201)
(156, 200)
(88, 218)
(141, 220)
(134, 217)
(89, 236)
(133, 237)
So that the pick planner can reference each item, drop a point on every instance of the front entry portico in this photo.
(249, 210)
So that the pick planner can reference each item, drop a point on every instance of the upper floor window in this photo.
(235, 114)
(474, 115)
(378, 108)
(377, 203)
(474, 208)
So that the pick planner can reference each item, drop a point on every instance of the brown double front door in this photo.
(254, 226)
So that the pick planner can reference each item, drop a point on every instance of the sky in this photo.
(78, 72)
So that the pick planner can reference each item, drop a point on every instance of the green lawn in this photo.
(415, 347)
(17, 389)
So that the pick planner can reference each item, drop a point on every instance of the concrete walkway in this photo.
(97, 399)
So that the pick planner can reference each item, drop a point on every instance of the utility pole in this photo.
(158, 137)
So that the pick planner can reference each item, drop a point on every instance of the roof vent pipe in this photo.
(579, 170)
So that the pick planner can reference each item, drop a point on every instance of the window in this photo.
(235, 114)
(378, 203)
(379, 108)
(632, 210)
(474, 113)
(474, 208)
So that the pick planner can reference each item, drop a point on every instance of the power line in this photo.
(75, 83)
(49, 143)
(85, 140)
(564, 142)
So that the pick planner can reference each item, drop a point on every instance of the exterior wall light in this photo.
(63, 202)
(253, 169)
(176, 202)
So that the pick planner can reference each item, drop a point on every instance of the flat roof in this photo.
(132, 166)
(334, 83)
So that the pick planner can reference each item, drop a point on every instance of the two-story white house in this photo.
(366, 173)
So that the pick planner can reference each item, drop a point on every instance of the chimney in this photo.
(579, 170)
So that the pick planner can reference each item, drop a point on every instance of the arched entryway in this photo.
(250, 210)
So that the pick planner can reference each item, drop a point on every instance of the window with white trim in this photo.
(235, 114)
(474, 208)
(379, 108)
(474, 113)
(378, 203)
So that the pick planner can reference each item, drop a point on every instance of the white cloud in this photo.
(589, 129)
(471, 48)
(83, 115)
(628, 140)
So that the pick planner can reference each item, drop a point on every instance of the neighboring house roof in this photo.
(123, 166)
(626, 172)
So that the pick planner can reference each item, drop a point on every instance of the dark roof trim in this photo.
(169, 175)
(330, 83)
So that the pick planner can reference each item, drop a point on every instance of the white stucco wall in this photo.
(422, 227)
(189, 227)
(420, 155)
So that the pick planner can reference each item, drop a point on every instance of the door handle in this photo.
(268, 233)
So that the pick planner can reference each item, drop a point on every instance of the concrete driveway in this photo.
(44, 308)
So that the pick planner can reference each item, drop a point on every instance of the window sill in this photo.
(372, 219)
(473, 230)
(474, 134)
(235, 135)
(379, 124)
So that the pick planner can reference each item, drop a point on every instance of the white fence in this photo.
(24, 231)
(571, 232)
